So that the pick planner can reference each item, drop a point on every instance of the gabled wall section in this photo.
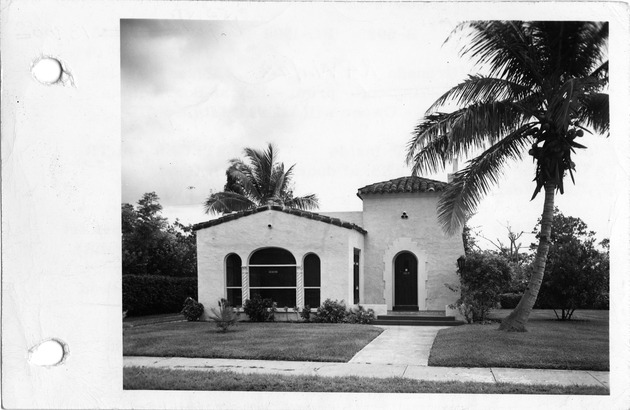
(389, 233)
(334, 244)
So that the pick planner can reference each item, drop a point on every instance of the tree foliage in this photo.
(577, 273)
(483, 276)
(258, 180)
(152, 246)
(545, 86)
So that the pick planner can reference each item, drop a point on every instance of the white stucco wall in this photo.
(388, 234)
(299, 235)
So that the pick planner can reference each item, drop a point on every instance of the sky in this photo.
(337, 93)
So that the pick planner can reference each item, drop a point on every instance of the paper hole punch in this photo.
(50, 352)
(50, 70)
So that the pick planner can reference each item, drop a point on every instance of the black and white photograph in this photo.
(344, 205)
(346, 202)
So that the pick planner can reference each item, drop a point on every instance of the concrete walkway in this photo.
(407, 345)
(484, 375)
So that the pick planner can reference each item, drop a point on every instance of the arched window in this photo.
(233, 280)
(272, 276)
(312, 280)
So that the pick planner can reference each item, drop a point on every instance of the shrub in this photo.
(297, 313)
(331, 311)
(576, 277)
(482, 277)
(306, 313)
(509, 300)
(224, 317)
(603, 302)
(259, 310)
(151, 295)
(360, 316)
(192, 310)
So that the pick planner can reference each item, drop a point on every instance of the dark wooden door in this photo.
(406, 282)
(356, 276)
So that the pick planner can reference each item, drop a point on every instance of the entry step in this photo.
(416, 320)
(414, 317)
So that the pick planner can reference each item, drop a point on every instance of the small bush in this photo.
(482, 276)
(192, 310)
(306, 314)
(259, 310)
(331, 311)
(509, 300)
(224, 317)
(360, 316)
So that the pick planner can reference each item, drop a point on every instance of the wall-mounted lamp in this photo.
(404, 215)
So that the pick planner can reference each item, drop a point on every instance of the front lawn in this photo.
(142, 378)
(578, 344)
(132, 321)
(267, 341)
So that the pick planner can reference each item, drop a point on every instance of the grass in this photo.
(141, 378)
(132, 321)
(267, 341)
(579, 344)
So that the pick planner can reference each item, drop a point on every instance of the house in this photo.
(391, 256)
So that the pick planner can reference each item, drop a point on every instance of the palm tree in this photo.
(545, 86)
(260, 181)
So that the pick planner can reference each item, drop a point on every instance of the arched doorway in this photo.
(405, 282)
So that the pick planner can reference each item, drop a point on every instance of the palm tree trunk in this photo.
(517, 319)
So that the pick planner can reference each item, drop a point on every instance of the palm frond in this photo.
(569, 48)
(261, 181)
(566, 102)
(262, 164)
(601, 72)
(478, 88)
(306, 203)
(505, 48)
(222, 202)
(282, 180)
(242, 179)
(447, 135)
(595, 112)
(432, 157)
(471, 184)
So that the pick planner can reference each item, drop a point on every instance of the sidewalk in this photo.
(417, 372)
(409, 345)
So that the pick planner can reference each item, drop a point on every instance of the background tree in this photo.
(576, 273)
(470, 240)
(259, 180)
(152, 246)
(543, 88)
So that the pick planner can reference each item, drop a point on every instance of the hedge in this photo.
(150, 295)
